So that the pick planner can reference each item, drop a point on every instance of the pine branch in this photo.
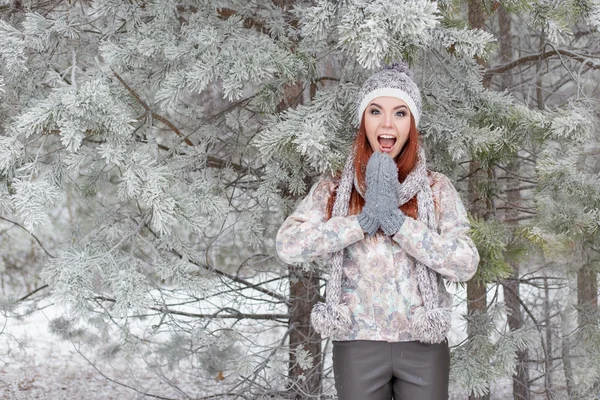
(518, 189)
(242, 281)
(232, 277)
(233, 313)
(516, 219)
(469, 175)
(215, 162)
(541, 56)
(518, 209)
(149, 111)
(514, 176)
(530, 360)
(226, 13)
(250, 23)
(592, 152)
(211, 161)
(17, 5)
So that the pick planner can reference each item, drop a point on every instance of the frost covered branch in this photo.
(585, 59)
(30, 233)
(154, 114)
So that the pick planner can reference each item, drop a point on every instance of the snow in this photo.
(37, 364)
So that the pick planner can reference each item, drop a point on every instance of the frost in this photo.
(32, 200)
(303, 358)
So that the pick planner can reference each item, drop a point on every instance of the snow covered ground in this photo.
(37, 364)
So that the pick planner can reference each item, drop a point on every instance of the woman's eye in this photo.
(401, 113)
(374, 111)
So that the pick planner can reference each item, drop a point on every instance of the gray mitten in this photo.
(381, 196)
(392, 222)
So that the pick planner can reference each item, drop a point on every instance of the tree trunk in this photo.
(304, 293)
(521, 390)
(539, 94)
(476, 291)
(506, 45)
(587, 292)
(549, 342)
(515, 321)
(568, 322)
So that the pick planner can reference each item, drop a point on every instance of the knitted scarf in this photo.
(429, 323)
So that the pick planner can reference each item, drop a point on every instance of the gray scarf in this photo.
(429, 323)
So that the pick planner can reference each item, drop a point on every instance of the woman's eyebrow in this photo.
(395, 108)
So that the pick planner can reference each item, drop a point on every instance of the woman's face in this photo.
(387, 122)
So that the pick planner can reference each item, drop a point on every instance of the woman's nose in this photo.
(387, 120)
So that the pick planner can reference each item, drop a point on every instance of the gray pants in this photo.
(374, 370)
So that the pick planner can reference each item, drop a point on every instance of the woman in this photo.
(403, 230)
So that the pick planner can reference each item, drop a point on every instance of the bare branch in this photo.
(518, 189)
(35, 237)
(233, 314)
(542, 56)
(32, 293)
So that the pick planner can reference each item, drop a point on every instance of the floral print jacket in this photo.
(379, 280)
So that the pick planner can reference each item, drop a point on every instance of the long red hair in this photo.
(406, 161)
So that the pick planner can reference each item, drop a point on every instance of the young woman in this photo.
(394, 232)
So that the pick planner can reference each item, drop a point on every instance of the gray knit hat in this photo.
(395, 80)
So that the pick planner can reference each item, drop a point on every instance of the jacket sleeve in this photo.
(450, 251)
(306, 235)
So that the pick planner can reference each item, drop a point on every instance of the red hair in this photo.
(406, 161)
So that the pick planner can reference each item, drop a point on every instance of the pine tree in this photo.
(151, 149)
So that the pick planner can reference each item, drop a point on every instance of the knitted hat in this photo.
(393, 80)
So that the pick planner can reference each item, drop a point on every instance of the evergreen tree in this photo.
(151, 149)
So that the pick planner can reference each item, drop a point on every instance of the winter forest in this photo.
(151, 149)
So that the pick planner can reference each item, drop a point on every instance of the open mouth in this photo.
(386, 142)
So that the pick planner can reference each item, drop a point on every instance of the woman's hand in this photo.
(381, 196)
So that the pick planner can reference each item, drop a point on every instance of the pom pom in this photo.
(431, 326)
(400, 67)
(329, 319)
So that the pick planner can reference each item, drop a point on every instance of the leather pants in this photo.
(377, 370)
